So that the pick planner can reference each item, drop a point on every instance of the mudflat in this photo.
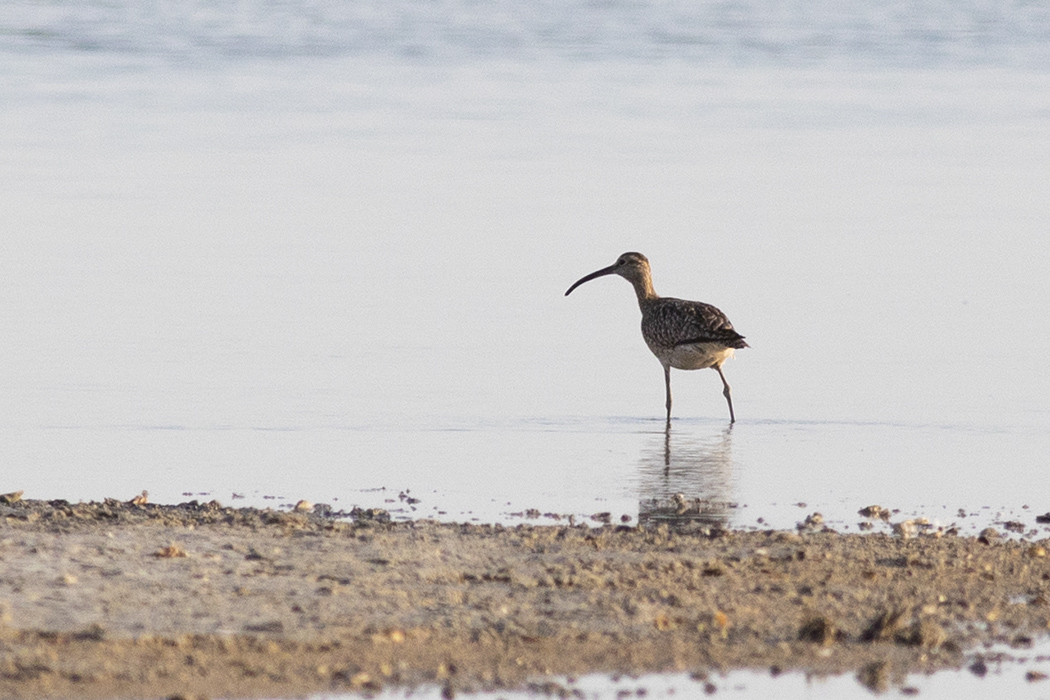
(131, 599)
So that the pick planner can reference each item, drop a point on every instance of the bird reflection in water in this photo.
(686, 480)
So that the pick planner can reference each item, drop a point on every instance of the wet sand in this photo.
(117, 599)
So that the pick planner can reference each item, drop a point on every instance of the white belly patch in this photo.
(698, 356)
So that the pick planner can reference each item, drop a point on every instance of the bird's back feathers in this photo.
(670, 322)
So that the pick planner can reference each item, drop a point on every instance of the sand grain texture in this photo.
(108, 600)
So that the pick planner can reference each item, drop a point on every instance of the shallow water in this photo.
(244, 256)
(1001, 672)
(1000, 680)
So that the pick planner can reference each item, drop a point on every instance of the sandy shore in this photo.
(112, 600)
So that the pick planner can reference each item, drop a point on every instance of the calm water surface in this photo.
(1002, 679)
(287, 255)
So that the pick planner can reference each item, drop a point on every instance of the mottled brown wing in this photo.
(673, 322)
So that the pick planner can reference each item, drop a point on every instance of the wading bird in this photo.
(682, 334)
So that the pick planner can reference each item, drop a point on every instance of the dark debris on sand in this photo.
(129, 599)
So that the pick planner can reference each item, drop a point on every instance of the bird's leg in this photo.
(728, 393)
(667, 383)
(667, 448)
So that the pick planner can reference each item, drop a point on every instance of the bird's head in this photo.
(633, 267)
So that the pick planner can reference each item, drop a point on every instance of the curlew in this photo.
(682, 334)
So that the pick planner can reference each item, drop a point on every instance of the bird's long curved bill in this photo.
(600, 273)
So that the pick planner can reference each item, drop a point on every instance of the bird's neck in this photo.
(643, 289)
